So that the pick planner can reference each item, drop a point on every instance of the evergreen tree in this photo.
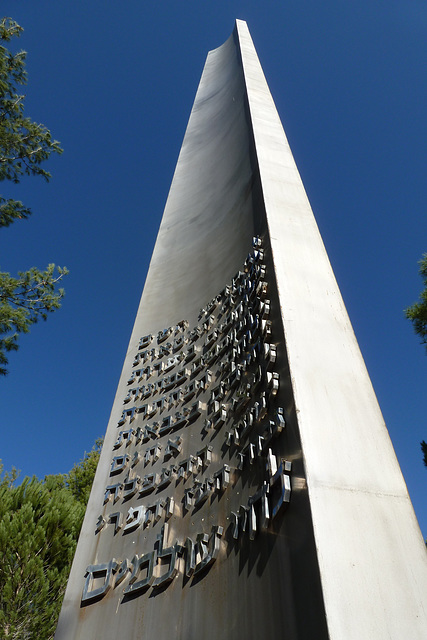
(417, 312)
(24, 146)
(40, 521)
(424, 450)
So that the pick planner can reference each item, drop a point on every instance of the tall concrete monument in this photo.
(247, 487)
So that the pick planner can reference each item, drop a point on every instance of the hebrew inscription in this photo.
(203, 411)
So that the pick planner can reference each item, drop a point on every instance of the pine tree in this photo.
(40, 521)
(417, 313)
(24, 146)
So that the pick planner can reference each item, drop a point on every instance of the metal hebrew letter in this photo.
(117, 518)
(118, 464)
(163, 552)
(280, 486)
(93, 572)
(100, 524)
(207, 553)
(188, 498)
(121, 572)
(173, 447)
(166, 477)
(190, 561)
(124, 436)
(130, 487)
(145, 341)
(149, 483)
(260, 496)
(134, 518)
(235, 525)
(127, 414)
(146, 560)
(113, 490)
(203, 490)
(222, 478)
(164, 334)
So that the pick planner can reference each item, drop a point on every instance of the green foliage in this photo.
(23, 301)
(424, 450)
(24, 146)
(37, 541)
(40, 521)
(417, 313)
(79, 480)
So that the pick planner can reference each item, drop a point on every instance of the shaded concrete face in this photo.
(208, 518)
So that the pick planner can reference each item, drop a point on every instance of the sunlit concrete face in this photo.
(247, 485)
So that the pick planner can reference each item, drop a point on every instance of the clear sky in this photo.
(115, 83)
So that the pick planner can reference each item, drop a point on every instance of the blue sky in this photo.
(115, 84)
